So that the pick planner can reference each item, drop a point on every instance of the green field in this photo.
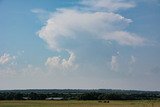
(153, 103)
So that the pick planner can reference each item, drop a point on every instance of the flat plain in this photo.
(31, 103)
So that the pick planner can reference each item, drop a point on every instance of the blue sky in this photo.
(111, 44)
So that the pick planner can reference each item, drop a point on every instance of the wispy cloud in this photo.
(131, 63)
(107, 5)
(133, 59)
(114, 63)
(6, 58)
(42, 14)
(125, 38)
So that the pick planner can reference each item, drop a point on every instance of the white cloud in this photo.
(114, 63)
(6, 58)
(66, 23)
(58, 63)
(108, 5)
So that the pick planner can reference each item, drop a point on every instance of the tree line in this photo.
(78, 94)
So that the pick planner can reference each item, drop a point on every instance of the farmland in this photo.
(43, 103)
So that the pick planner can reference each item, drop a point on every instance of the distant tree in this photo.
(33, 96)
(9, 96)
(18, 96)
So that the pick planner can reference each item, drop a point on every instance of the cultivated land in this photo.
(31, 103)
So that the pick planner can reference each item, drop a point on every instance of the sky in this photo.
(80, 44)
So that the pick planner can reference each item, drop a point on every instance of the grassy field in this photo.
(153, 103)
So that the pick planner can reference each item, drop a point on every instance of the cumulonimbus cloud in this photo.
(68, 25)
